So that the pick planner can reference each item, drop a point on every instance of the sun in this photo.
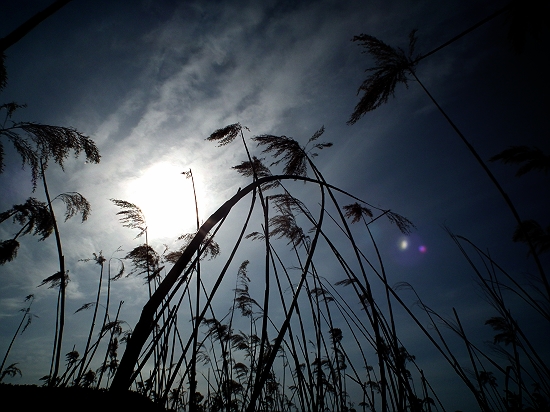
(165, 197)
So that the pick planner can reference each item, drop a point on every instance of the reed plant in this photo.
(295, 347)
(38, 145)
(394, 66)
(297, 341)
(525, 364)
(26, 320)
(295, 314)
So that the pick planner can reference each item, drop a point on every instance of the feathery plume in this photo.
(391, 66)
(226, 134)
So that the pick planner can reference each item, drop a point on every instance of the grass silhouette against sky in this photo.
(150, 82)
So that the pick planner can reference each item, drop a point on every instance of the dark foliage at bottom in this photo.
(36, 398)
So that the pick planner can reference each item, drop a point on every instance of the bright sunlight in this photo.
(165, 196)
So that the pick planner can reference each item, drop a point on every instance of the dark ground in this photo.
(39, 398)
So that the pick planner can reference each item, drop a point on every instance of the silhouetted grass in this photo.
(512, 360)
(305, 329)
(282, 351)
(393, 66)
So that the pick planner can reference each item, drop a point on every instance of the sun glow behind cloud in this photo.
(165, 197)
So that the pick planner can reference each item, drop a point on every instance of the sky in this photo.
(148, 81)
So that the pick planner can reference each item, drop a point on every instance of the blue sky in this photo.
(149, 81)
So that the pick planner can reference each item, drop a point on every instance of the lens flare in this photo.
(409, 250)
